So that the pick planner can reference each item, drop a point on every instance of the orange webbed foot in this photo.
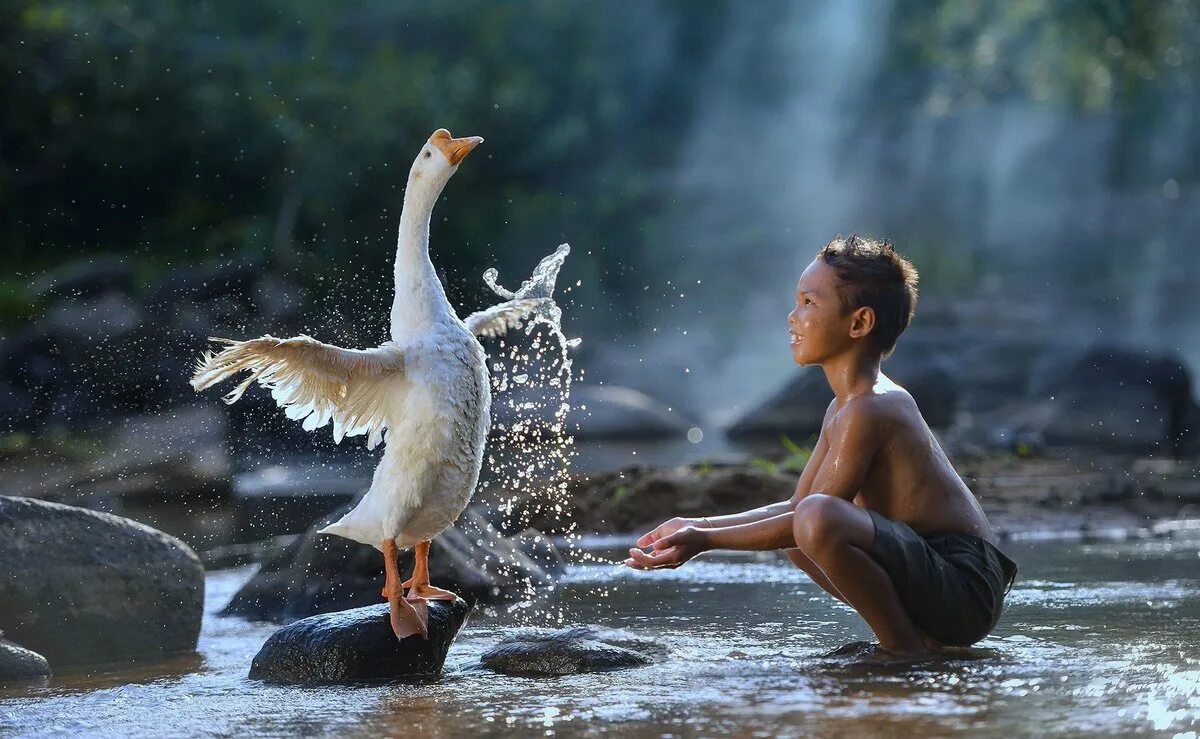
(408, 617)
(431, 592)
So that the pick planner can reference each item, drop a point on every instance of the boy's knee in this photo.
(816, 522)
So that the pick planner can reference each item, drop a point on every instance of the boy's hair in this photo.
(874, 275)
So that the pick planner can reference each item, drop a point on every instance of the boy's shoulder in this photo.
(881, 410)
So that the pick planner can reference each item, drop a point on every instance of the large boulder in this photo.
(83, 587)
(1110, 398)
(597, 412)
(321, 573)
(798, 408)
(993, 372)
(87, 278)
(542, 652)
(19, 663)
(357, 646)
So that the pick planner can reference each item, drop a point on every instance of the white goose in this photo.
(428, 387)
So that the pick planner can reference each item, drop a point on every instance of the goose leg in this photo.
(407, 617)
(419, 586)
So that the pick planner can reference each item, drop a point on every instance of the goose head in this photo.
(438, 160)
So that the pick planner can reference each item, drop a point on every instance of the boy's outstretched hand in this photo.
(672, 543)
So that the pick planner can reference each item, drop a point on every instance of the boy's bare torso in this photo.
(905, 475)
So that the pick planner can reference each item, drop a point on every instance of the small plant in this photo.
(793, 459)
(797, 456)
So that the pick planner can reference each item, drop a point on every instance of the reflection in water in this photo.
(1095, 638)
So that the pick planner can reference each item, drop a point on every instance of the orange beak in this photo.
(455, 150)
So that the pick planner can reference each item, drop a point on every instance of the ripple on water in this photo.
(1081, 656)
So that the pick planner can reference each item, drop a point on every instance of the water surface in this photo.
(1097, 638)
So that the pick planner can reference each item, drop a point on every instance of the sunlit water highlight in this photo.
(1097, 638)
(531, 447)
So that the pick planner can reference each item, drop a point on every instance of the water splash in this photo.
(531, 449)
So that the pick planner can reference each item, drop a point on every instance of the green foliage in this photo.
(792, 460)
(58, 443)
(174, 132)
(177, 131)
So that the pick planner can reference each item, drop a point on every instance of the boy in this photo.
(880, 519)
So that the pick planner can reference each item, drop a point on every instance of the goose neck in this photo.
(420, 300)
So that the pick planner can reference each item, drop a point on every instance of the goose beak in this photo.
(455, 150)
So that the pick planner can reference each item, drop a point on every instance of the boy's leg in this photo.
(838, 537)
(801, 560)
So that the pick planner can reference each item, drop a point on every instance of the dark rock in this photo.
(798, 408)
(597, 412)
(320, 573)
(357, 646)
(18, 409)
(82, 587)
(540, 549)
(612, 412)
(612, 637)
(995, 372)
(86, 278)
(232, 279)
(19, 663)
(92, 320)
(537, 652)
(1109, 398)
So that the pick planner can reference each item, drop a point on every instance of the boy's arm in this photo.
(853, 441)
(803, 487)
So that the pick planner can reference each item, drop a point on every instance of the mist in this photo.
(1024, 215)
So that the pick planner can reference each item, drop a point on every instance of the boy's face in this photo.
(818, 325)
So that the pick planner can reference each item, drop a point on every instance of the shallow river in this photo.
(1096, 638)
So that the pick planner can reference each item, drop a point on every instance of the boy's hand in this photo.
(666, 529)
(670, 550)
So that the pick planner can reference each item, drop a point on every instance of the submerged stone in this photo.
(542, 652)
(19, 663)
(357, 646)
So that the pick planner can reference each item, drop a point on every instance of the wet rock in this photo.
(19, 663)
(612, 637)
(542, 652)
(320, 573)
(82, 587)
(357, 646)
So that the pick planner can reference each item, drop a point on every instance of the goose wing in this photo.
(502, 317)
(312, 381)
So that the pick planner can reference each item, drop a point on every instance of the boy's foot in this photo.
(853, 650)
(870, 653)
(887, 657)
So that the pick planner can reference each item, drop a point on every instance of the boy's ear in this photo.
(862, 321)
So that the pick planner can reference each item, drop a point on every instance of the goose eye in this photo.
(427, 155)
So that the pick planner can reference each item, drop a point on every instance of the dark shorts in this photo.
(952, 585)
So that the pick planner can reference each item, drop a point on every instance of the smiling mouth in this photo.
(794, 340)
